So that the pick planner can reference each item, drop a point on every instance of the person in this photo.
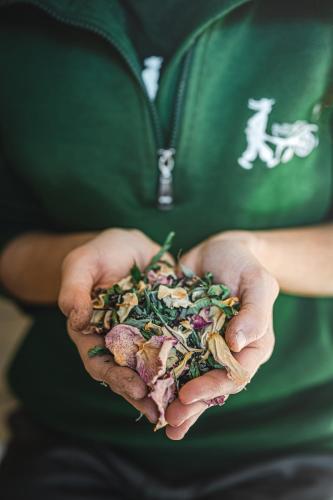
(121, 121)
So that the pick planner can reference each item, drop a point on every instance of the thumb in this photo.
(257, 301)
(78, 278)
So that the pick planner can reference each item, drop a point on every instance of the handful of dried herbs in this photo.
(167, 324)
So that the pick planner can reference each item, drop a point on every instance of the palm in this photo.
(229, 262)
(250, 334)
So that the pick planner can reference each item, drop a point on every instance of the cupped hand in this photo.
(100, 263)
(232, 260)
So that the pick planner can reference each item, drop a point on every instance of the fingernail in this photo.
(240, 339)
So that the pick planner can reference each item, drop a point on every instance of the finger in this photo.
(75, 293)
(142, 248)
(177, 412)
(169, 258)
(209, 386)
(122, 380)
(145, 406)
(177, 433)
(217, 382)
(192, 260)
(257, 299)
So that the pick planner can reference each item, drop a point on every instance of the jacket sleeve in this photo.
(19, 209)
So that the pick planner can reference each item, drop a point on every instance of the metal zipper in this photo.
(165, 154)
(166, 163)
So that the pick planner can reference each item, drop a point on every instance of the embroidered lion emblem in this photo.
(285, 141)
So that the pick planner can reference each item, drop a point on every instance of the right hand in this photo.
(100, 263)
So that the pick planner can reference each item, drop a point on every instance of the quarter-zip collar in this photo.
(107, 18)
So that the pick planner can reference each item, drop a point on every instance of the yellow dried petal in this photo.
(163, 291)
(126, 283)
(97, 317)
(173, 297)
(220, 321)
(141, 286)
(155, 328)
(221, 353)
(130, 300)
(186, 324)
(231, 301)
(107, 320)
(178, 370)
(166, 270)
(98, 302)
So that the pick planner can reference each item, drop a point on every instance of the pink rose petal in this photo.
(199, 322)
(160, 279)
(219, 401)
(124, 341)
(152, 358)
(163, 393)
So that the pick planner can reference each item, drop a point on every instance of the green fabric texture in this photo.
(79, 151)
(159, 31)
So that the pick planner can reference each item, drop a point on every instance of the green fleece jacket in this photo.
(241, 114)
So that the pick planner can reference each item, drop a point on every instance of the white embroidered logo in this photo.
(151, 74)
(285, 141)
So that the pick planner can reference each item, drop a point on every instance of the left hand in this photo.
(231, 257)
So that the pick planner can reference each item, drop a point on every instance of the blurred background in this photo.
(13, 325)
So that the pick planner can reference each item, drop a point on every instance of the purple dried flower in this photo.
(199, 322)
(219, 401)
(159, 279)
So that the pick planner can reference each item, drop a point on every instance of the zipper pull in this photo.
(166, 163)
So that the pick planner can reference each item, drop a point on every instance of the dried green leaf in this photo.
(198, 305)
(97, 351)
(136, 274)
(113, 290)
(164, 248)
(221, 291)
(194, 369)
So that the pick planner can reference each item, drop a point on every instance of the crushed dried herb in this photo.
(168, 324)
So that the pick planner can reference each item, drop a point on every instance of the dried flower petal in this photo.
(152, 358)
(179, 369)
(174, 336)
(163, 276)
(182, 315)
(167, 270)
(221, 353)
(150, 326)
(163, 393)
(231, 301)
(154, 277)
(130, 300)
(173, 297)
(172, 359)
(219, 401)
(186, 324)
(124, 341)
(126, 283)
(141, 286)
(97, 317)
(198, 322)
(98, 302)
(107, 320)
